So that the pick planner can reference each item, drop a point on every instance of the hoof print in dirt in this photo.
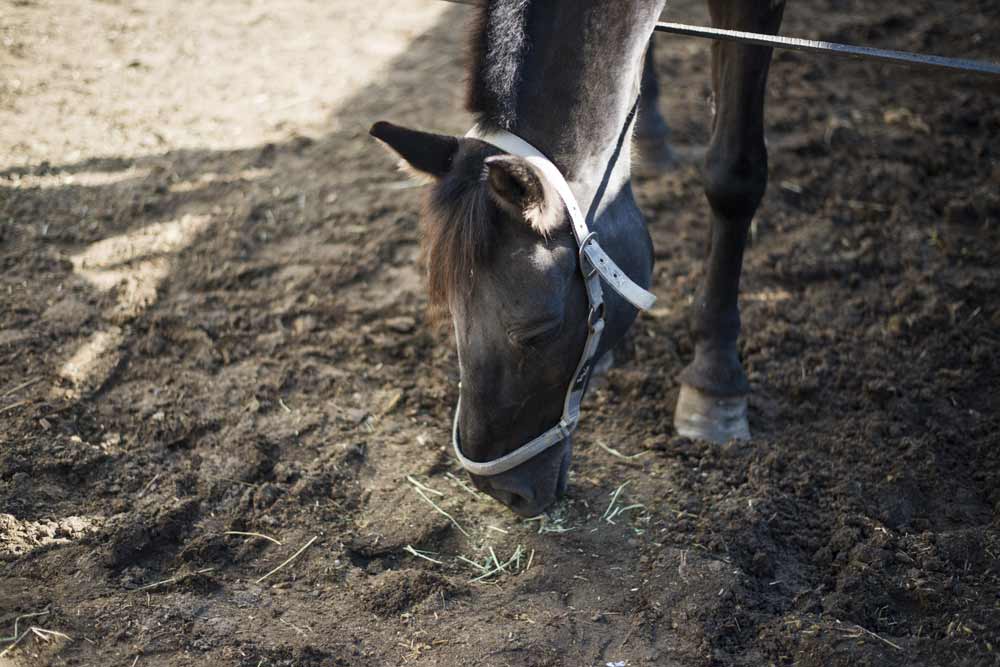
(207, 549)
(147, 536)
(395, 592)
(394, 526)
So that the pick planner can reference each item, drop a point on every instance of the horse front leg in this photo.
(713, 399)
(652, 134)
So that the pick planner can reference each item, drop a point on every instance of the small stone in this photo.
(401, 324)
(304, 324)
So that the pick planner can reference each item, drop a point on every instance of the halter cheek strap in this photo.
(595, 265)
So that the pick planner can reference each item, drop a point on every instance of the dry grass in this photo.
(39, 633)
(176, 578)
(419, 488)
(248, 534)
(289, 559)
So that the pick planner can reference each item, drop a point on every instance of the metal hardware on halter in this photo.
(595, 265)
(583, 244)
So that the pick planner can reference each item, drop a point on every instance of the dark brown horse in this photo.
(565, 76)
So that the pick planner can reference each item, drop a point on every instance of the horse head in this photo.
(503, 263)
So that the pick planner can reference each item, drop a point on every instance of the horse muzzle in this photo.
(534, 486)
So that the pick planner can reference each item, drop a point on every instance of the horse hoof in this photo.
(717, 420)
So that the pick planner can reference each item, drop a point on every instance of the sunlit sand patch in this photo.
(159, 238)
(135, 265)
(87, 179)
(212, 178)
(21, 536)
(137, 286)
(93, 362)
(134, 278)
(767, 296)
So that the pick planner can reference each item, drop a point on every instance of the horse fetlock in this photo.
(716, 370)
(735, 188)
(717, 419)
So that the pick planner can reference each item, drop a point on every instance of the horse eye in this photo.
(537, 336)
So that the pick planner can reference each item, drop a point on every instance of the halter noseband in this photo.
(595, 264)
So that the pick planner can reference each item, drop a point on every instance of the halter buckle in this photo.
(586, 266)
(596, 316)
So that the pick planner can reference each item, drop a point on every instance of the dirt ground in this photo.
(212, 328)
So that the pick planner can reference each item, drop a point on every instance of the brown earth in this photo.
(249, 352)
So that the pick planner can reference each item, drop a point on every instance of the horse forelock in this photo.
(458, 230)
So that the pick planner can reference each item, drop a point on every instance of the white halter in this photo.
(595, 265)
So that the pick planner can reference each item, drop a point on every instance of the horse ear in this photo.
(423, 153)
(520, 189)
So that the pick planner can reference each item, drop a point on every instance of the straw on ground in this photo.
(613, 511)
(17, 620)
(40, 633)
(174, 579)
(412, 480)
(547, 524)
(866, 631)
(417, 487)
(463, 484)
(249, 534)
(499, 567)
(289, 559)
(615, 452)
(421, 554)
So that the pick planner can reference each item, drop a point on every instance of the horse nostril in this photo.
(522, 501)
(480, 483)
(506, 497)
(515, 501)
(526, 491)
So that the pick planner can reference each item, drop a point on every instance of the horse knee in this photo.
(735, 186)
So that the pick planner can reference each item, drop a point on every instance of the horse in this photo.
(555, 90)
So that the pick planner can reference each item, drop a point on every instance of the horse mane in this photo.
(458, 231)
(459, 216)
(497, 49)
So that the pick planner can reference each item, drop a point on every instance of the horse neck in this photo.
(575, 85)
